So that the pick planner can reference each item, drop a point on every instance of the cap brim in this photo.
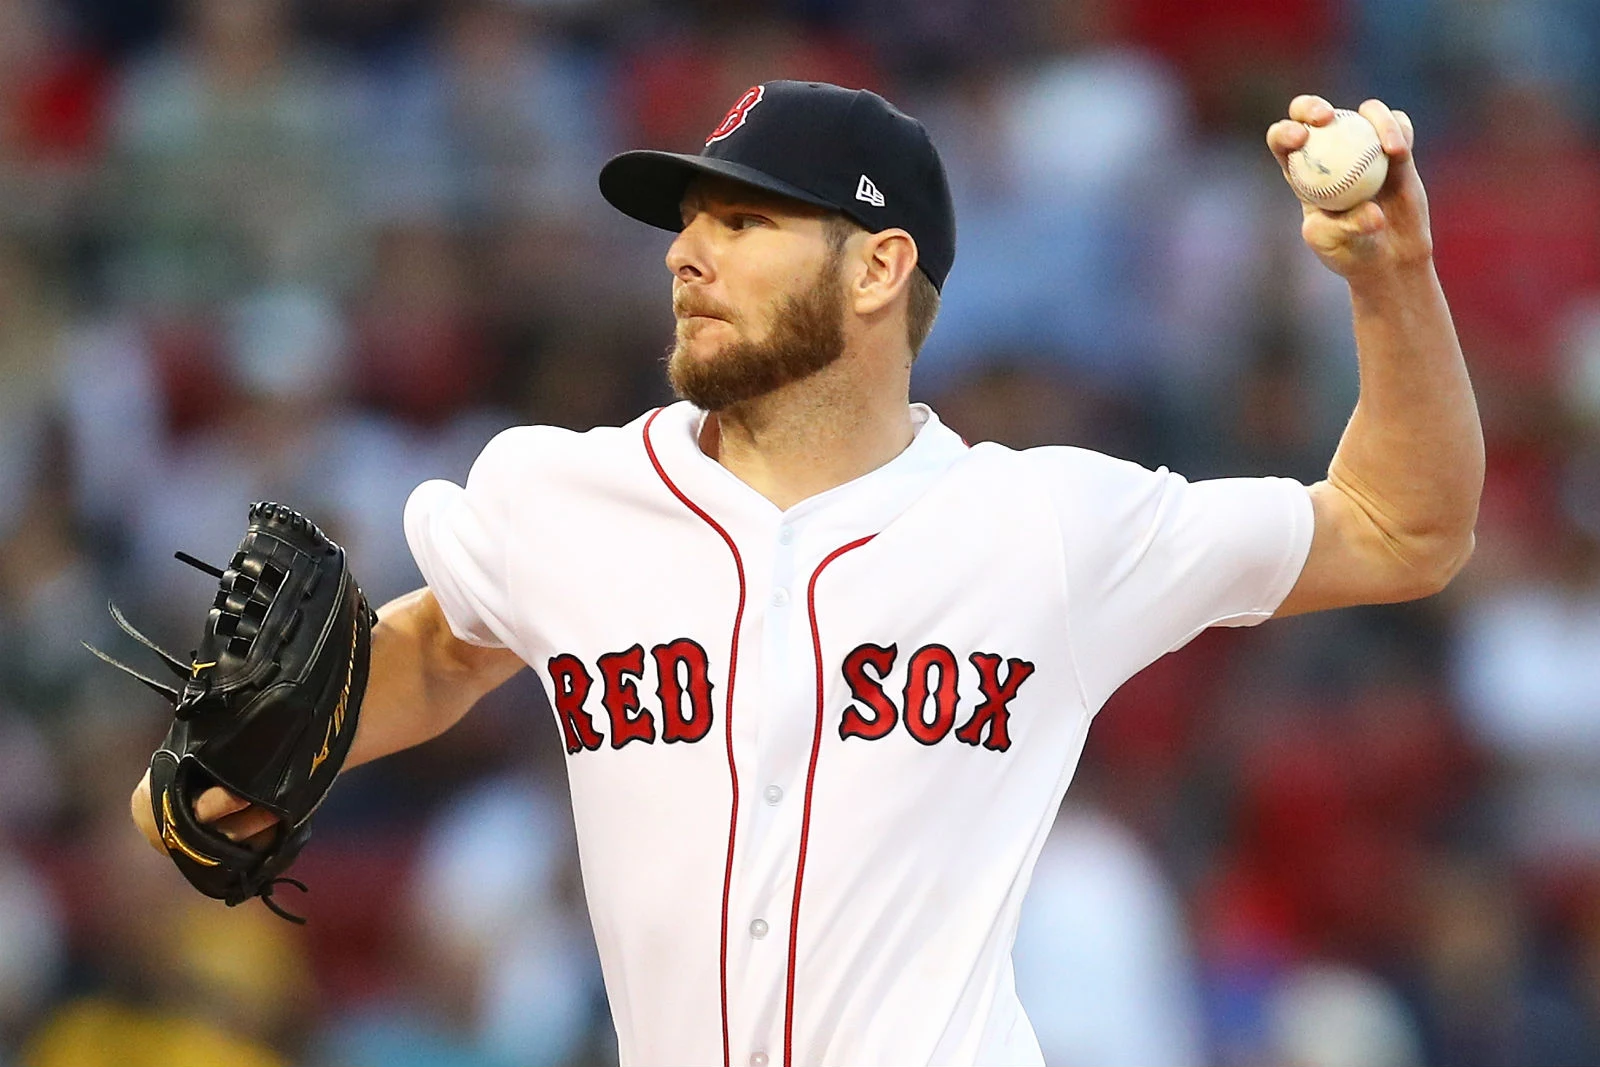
(649, 185)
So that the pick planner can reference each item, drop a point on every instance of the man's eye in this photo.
(744, 222)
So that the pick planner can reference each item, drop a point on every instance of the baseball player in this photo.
(822, 670)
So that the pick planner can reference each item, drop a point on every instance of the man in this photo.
(823, 671)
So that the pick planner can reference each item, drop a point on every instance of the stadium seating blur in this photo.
(321, 252)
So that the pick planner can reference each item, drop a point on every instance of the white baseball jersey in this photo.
(814, 753)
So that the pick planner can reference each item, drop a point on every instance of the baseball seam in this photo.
(1344, 184)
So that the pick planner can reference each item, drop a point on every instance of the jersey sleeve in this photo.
(458, 537)
(1152, 559)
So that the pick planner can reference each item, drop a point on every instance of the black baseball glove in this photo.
(268, 705)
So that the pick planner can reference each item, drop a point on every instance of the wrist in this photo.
(1392, 280)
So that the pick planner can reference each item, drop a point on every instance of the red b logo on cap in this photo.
(735, 116)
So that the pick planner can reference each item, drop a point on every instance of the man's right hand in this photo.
(235, 819)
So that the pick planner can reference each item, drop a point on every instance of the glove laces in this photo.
(265, 893)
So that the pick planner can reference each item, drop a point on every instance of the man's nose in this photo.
(687, 256)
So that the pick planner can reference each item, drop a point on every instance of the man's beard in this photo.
(807, 334)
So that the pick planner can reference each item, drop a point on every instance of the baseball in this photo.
(1341, 165)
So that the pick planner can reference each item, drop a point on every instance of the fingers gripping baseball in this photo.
(1354, 226)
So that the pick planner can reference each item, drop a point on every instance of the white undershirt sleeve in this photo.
(459, 539)
(1152, 559)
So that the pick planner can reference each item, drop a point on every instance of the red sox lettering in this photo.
(875, 714)
(929, 703)
(683, 693)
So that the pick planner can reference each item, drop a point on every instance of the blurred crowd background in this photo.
(320, 252)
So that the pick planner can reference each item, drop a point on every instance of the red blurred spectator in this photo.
(52, 94)
(1516, 223)
(53, 98)
(668, 88)
(1233, 51)
(420, 352)
(1338, 809)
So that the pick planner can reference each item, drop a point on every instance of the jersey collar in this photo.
(858, 507)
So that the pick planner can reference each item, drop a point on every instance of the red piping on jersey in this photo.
(727, 715)
(811, 777)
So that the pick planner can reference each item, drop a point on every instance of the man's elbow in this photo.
(1435, 566)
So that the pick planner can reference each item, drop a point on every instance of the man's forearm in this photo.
(1412, 455)
(422, 679)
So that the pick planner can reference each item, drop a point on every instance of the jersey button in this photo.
(758, 1059)
(780, 597)
(773, 794)
(785, 537)
(758, 929)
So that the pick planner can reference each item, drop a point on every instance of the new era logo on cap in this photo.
(867, 192)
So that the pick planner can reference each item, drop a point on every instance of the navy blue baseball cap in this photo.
(846, 149)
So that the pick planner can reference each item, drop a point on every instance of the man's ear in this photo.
(886, 259)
